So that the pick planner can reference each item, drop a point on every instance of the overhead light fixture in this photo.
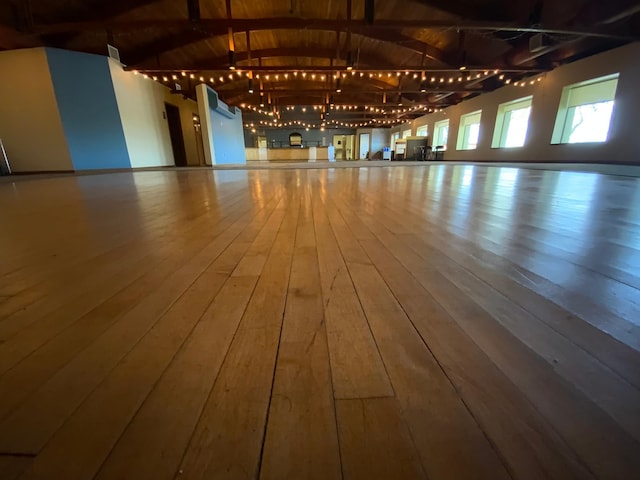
(232, 60)
(261, 99)
(250, 85)
(423, 86)
(462, 68)
(349, 61)
(338, 87)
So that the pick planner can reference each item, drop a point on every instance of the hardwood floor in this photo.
(440, 322)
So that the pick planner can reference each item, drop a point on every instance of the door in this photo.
(349, 147)
(339, 145)
(175, 132)
(364, 146)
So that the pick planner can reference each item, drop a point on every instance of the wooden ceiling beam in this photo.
(220, 63)
(371, 66)
(220, 26)
(346, 91)
(92, 12)
(151, 51)
(418, 46)
(300, 101)
(10, 39)
(292, 83)
(488, 10)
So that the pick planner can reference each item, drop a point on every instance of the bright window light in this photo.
(422, 131)
(589, 123)
(441, 134)
(406, 133)
(394, 138)
(585, 111)
(469, 131)
(512, 123)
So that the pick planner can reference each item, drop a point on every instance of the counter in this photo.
(291, 154)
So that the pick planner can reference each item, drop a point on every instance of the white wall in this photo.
(141, 105)
(378, 139)
(623, 145)
(30, 125)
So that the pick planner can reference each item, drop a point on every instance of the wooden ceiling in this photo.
(399, 58)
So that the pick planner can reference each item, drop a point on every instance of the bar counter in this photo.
(288, 154)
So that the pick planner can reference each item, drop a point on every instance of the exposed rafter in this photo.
(148, 53)
(492, 10)
(220, 63)
(10, 38)
(91, 11)
(377, 53)
(221, 25)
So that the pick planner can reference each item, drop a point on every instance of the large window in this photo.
(406, 133)
(585, 111)
(469, 131)
(512, 123)
(422, 131)
(441, 134)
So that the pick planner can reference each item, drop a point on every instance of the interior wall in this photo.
(88, 109)
(30, 125)
(378, 139)
(282, 135)
(141, 106)
(222, 135)
(622, 146)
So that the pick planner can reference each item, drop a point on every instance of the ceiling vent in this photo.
(539, 42)
(113, 53)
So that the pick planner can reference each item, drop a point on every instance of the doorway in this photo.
(175, 132)
(364, 146)
(199, 144)
(344, 146)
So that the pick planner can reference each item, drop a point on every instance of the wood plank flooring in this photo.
(432, 321)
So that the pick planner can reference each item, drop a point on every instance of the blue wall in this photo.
(226, 133)
(88, 110)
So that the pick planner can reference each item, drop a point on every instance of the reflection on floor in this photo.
(425, 321)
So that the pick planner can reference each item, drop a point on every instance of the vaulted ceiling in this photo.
(399, 58)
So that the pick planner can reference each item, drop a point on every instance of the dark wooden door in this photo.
(175, 131)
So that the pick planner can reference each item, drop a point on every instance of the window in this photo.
(406, 133)
(422, 131)
(469, 131)
(394, 137)
(441, 134)
(512, 123)
(585, 111)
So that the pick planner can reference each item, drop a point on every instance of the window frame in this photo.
(424, 128)
(466, 121)
(568, 104)
(395, 136)
(437, 128)
(503, 119)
